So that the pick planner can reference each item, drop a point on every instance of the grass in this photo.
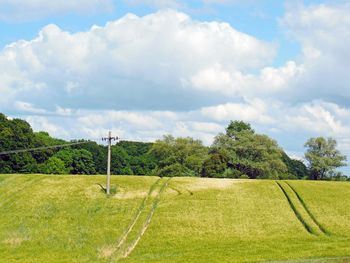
(69, 219)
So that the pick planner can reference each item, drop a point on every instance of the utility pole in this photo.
(109, 139)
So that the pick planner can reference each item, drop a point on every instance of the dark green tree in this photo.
(296, 169)
(140, 161)
(16, 134)
(216, 164)
(53, 165)
(120, 161)
(77, 161)
(99, 154)
(83, 162)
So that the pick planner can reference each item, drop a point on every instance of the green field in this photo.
(152, 219)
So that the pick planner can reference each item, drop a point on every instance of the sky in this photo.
(145, 68)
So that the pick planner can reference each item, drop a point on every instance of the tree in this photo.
(99, 154)
(216, 164)
(254, 155)
(16, 134)
(53, 165)
(238, 127)
(323, 157)
(120, 161)
(140, 161)
(44, 139)
(77, 161)
(66, 155)
(296, 169)
(179, 157)
(83, 162)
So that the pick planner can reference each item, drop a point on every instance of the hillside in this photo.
(69, 219)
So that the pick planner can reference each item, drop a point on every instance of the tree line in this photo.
(239, 152)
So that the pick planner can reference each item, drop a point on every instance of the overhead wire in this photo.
(43, 148)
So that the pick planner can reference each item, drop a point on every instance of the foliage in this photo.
(17, 134)
(53, 165)
(235, 128)
(323, 157)
(296, 168)
(254, 155)
(87, 158)
(179, 157)
(99, 154)
(83, 162)
(141, 162)
(239, 152)
(44, 139)
(120, 161)
(77, 161)
(216, 164)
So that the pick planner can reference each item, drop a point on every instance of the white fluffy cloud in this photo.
(323, 31)
(256, 111)
(23, 10)
(152, 62)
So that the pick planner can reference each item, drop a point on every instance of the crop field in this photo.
(150, 219)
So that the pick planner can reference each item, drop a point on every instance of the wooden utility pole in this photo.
(109, 139)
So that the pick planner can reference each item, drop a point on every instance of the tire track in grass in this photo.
(176, 190)
(321, 228)
(127, 231)
(130, 227)
(296, 213)
(142, 231)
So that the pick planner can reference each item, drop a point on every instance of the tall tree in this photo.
(323, 157)
(179, 156)
(254, 155)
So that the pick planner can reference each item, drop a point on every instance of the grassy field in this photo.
(149, 219)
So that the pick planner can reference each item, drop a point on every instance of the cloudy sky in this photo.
(144, 68)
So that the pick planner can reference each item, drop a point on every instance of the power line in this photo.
(42, 148)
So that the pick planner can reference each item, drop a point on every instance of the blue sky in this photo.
(144, 68)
